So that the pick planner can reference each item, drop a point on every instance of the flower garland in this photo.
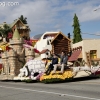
(67, 75)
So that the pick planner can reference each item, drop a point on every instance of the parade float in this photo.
(24, 62)
(74, 70)
(34, 70)
(14, 55)
(31, 70)
(71, 73)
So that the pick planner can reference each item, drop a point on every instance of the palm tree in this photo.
(23, 19)
(5, 30)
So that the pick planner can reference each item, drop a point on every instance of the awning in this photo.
(75, 55)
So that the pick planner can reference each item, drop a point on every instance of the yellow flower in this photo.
(41, 78)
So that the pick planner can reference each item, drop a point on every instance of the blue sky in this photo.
(55, 15)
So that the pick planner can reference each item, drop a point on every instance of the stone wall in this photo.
(29, 54)
(5, 63)
(14, 59)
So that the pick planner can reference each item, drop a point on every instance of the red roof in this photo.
(75, 55)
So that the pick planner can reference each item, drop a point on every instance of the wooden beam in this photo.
(59, 46)
(59, 42)
(52, 48)
(65, 49)
(62, 43)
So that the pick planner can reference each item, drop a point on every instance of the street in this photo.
(76, 90)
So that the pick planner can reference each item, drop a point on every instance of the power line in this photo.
(89, 34)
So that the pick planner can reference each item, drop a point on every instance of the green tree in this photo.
(5, 30)
(1, 31)
(23, 19)
(76, 31)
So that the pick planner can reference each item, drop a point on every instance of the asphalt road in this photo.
(76, 90)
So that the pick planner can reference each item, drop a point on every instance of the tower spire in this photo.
(16, 34)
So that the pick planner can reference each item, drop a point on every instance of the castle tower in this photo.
(5, 63)
(29, 54)
(12, 58)
(9, 60)
(17, 45)
(17, 42)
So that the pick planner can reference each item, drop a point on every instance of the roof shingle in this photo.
(75, 55)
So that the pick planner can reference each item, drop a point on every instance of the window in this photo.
(48, 42)
(93, 54)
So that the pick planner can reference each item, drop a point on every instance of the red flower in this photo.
(36, 51)
(10, 35)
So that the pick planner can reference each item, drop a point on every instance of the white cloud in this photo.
(85, 11)
(88, 14)
(47, 15)
(97, 33)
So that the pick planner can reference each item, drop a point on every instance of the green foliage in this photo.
(27, 80)
(77, 31)
(52, 80)
(1, 30)
(94, 63)
(80, 63)
(30, 81)
(23, 19)
(5, 30)
(55, 80)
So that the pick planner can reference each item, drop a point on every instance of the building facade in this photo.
(89, 50)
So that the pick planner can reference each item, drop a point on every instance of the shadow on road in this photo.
(76, 80)
(67, 81)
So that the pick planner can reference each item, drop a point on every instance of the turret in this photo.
(5, 63)
(16, 42)
(17, 45)
(29, 54)
(12, 58)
